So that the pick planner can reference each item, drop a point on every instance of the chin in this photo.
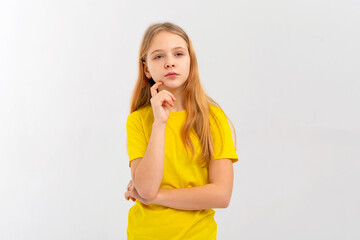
(172, 84)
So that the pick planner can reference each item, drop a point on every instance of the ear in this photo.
(146, 70)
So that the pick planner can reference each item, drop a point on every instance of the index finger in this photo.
(154, 88)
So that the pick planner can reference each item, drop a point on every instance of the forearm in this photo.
(149, 172)
(194, 198)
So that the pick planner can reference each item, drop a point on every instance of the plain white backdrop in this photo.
(285, 72)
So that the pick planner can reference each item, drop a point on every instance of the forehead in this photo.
(166, 41)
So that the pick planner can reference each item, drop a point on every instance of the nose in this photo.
(169, 62)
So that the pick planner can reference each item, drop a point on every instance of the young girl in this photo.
(179, 142)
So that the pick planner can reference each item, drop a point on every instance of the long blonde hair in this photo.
(196, 100)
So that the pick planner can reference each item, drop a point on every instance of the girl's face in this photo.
(168, 53)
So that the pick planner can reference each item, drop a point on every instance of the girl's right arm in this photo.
(148, 170)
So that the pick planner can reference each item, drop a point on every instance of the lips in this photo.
(171, 74)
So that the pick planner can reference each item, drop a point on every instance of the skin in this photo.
(160, 102)
(168, 52)
(173, 56)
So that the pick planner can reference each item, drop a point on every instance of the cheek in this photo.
(154, 67)
(152, 70)
(184, 63)
(187, 66)
(188, 63)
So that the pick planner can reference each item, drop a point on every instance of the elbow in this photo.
(144, 191)
(225, 201)
(147, 194)
(223, 197)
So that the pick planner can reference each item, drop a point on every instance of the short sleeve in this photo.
(136, 141)
(223, 142)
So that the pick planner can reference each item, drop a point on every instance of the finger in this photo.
(128, 196)
(166, 99)
(172, 97)
(166, 103)
(130, 185)
(154, 88)
(169, 94)
(170, 101)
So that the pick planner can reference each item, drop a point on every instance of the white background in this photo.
(285, 72)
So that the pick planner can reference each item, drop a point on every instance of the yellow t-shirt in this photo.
(156, 222)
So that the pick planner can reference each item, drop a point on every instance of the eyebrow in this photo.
(157, 50)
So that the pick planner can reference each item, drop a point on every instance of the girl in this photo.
(179, 143)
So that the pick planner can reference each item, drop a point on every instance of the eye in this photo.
(179, 54)
(158, 57)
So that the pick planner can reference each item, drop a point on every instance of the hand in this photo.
(161, 103)
(134, 195)
(130, 187)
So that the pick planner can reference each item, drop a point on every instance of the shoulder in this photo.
(219, 122)
(216, 113)
(141, 114)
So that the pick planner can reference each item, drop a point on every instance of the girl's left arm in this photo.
(215, 194)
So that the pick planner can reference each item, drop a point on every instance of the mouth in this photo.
(171, 74)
